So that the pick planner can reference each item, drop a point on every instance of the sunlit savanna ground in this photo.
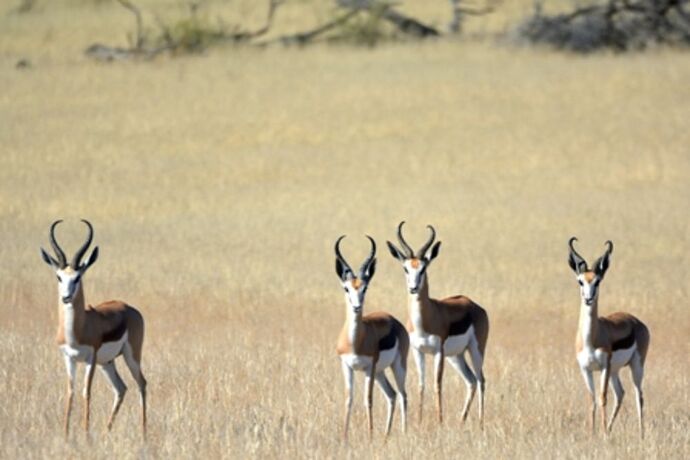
(217, 185)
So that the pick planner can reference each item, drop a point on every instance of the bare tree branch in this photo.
(139, 41)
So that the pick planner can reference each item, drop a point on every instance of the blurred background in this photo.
(220, 147)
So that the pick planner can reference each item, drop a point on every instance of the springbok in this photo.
(606, 343)
(445, 328)
(370, 343)
(94, 335)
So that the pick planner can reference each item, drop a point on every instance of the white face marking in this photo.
(68, 283)
(589, 291)
(414, 274)
(355, 289)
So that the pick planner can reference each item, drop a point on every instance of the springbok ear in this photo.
(92, 258)
(578, 266)
(601, 265)
(434, 251)
(371, 269)
(395, 252)
(49, 260)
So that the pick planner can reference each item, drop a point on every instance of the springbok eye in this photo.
(580, 282)
(405, 268)
(59, 279)
(345, 289)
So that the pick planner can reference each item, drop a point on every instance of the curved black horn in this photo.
(56, 247)
(427, 245)
(580, 262)
(340, 257)
(609, 248)
(82, 250)
(372, 254)
(406, 247)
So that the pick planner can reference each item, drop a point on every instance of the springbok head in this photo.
(415, 265)
(69, 275)
(355, 286)
(589, 279)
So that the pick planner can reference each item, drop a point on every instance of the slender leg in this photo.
(71, 366)
(368, 395)
(478, 364)
(619, 393)
(349, 390)
(388, 390)
(605, 373)
(438, 368)
(135, 369)
(460, 365)
(90, 367)
(400, 373)
(589, 381)
(637, 375)
(421, 365)
(119, 388)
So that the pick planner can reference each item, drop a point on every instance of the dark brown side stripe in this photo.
(624, 343)
(460, 327)
(115, 334)
(388, 341)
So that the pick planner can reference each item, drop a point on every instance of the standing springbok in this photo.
(94, 335)
(370, 343)
(446, 328)
(607, 343)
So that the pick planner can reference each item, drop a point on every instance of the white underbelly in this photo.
(595, 360)
(105, 354)
(621, 357)
(456, 344)
(386, 357)
(111, 350)
(426, 343)
(357, 362)
(430, 343)
(363, 363)
(590, 359)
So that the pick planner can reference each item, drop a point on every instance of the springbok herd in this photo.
(448, 329)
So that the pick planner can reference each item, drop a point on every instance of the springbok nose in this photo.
(66, 299)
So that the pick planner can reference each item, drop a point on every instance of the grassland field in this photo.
(217, 185)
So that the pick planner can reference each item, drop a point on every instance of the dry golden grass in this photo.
(218, 184)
